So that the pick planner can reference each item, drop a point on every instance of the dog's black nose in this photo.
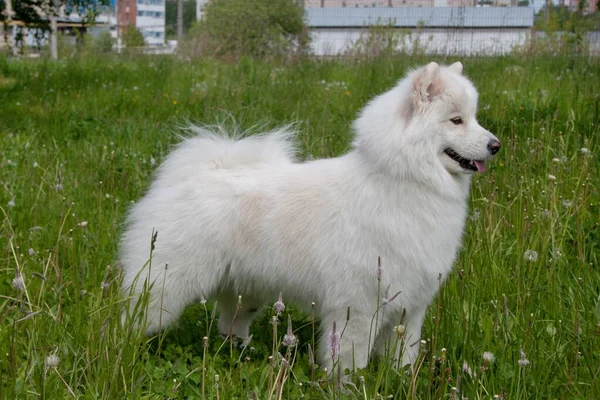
(494, 146)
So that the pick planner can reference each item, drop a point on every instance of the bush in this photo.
(103, 43)
(257, 28)
(132, 37)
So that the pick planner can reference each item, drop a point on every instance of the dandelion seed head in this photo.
(567, 203)
(556, 253)
(551, 177)
(530, 255)
(584, 150)
(11, 203)
(52, 361)
(31, 252)
(489, 357)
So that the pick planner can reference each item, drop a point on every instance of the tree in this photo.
(40, 13)
(132, 37)
(189, 17)
(256, 28)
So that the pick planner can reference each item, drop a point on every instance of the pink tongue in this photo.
(480, 165)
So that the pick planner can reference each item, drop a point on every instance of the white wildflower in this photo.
(400, 330)
(334, 343)
(523, 361)
(552, 177)
(289, 340)
(467, 369)
(279, 306)
(18, 283)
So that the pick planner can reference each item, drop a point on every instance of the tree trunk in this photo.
(10, 33)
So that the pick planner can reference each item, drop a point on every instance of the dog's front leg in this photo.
(412, 336)
(349, 346)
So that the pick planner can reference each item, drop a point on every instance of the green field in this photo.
(80, 139)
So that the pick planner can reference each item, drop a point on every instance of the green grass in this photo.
(78, 143)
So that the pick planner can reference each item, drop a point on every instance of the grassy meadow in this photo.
(519, 318)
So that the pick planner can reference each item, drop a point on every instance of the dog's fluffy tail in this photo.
(216, 148)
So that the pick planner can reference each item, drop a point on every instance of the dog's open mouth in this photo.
(470, 165)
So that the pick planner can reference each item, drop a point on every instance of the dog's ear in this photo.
(426, 85)
(457, 67)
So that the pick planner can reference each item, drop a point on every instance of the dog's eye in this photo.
(457, 120)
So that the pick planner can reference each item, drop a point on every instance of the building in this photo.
(146, 15)
(431, 30)
(591, 6)
(150, 20)
(387, 3)
(126, 13)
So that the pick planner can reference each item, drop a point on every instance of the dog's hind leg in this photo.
(168, 290)
(236, 315)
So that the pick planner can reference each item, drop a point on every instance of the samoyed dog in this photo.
(240, 217)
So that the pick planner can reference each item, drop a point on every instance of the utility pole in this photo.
(179, 20)
(53, 30)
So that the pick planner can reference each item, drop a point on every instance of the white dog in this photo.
(239, 217)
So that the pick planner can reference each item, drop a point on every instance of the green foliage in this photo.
(103, 43)
(27, 11)
(133, 37)
(257, 28)
(189, 17)
(82, 138)
(560, 18)
(558, 30)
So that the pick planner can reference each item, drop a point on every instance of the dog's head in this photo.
(428, 119)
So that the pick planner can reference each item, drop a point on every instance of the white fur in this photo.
(241, 217)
